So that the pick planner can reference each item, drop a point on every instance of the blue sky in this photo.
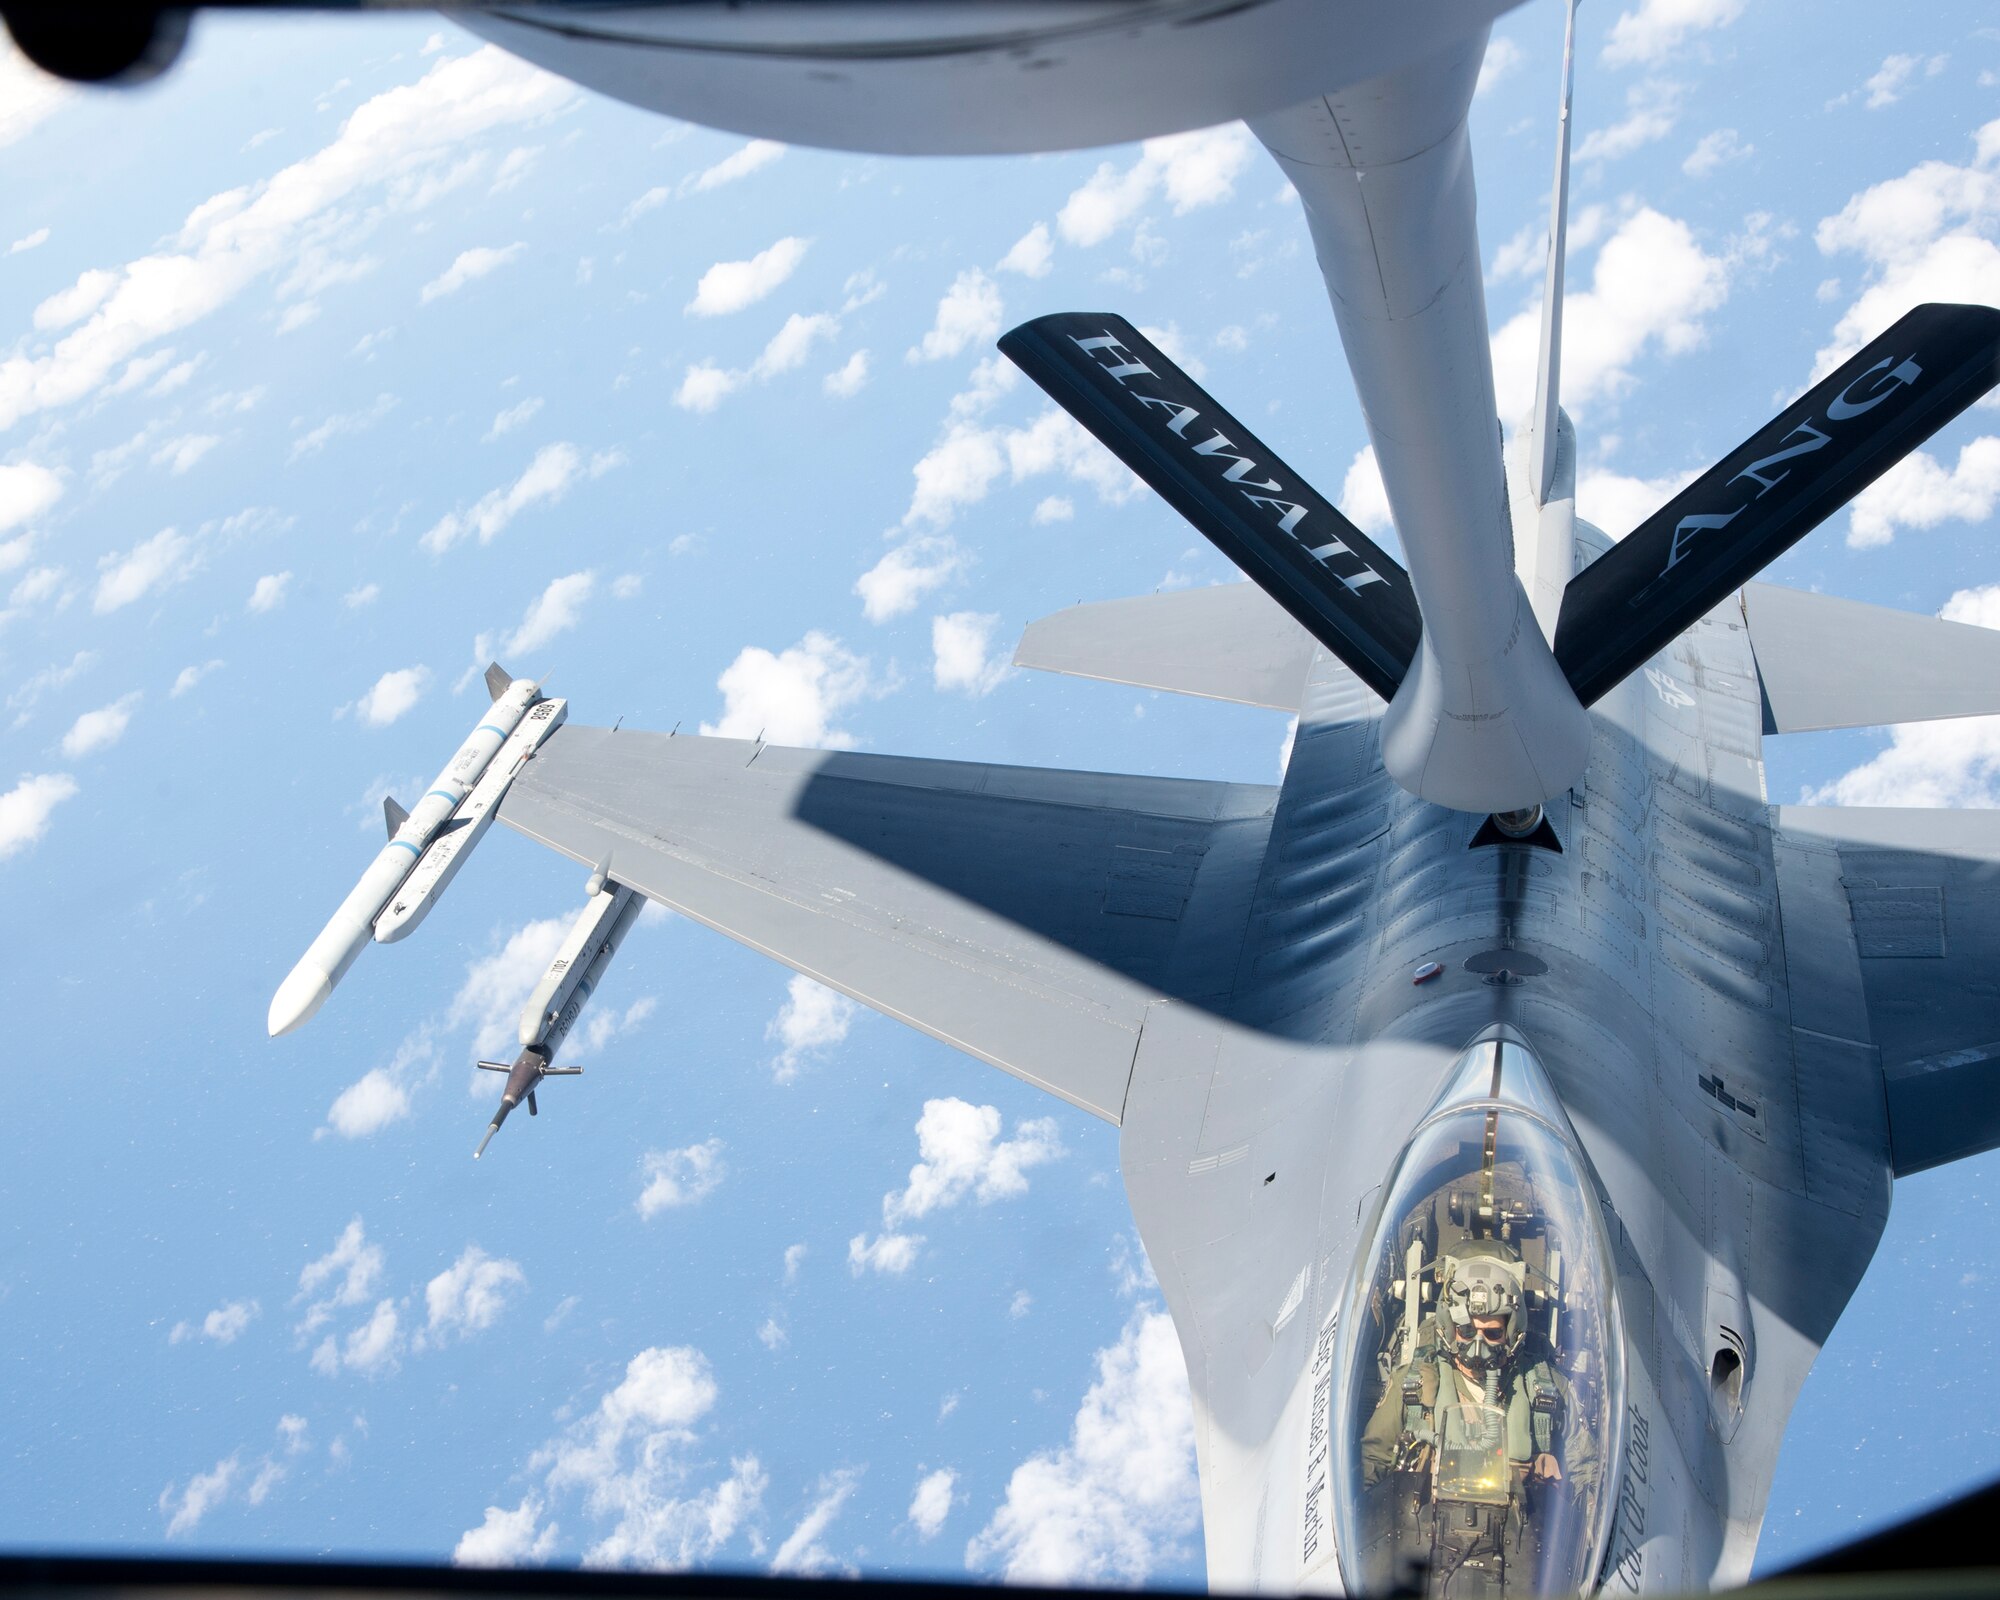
(353, 354)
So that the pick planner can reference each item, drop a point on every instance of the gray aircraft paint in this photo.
(1753, 1016)
(1225, 971)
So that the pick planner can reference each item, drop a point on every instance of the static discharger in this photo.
(328, 957)
(558, 1000)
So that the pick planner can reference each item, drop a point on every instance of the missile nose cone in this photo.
(302, 993)
(492, 1128)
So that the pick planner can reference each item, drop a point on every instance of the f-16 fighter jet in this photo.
(1510, 1099)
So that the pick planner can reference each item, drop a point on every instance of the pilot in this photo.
(1483, 1427)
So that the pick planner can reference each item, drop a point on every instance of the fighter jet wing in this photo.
(1024, 916)
(1920, 890)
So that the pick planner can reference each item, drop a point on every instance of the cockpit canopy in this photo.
(1478, 1423)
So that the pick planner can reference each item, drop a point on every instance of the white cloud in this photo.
(165, 559)
(970, 313)
(35, 587)
(627, 586)
(72, 305)
(1886, 85)
(370, 1349)
(26, 491)
(1053, 508)
(1502, 57)
(792, 343)
(49, 678)
(225, 1324)
(811, 1022)
(1191, 169)
(705, 386)
(102, 728)
(317, 439)
(1363, 499)
(932, 1502)
(393, 694)
(962, 655)
(405, 143)
(680, 1177)
(752, 157)
(907, 573)
(553, 612)
(345, 1276)
(1927, 235)
(1650, 288)
(802, 1554)
(204, 1492)
(188, 677)
(1121, 1497)
(365, 594)
(469, 266)
(847, 381)
(31, 241)
(651, 200)
(497, 986)
(1617, 504)
(795, 1258)
(1032, 254)
(182, 454)
(771, 1334)
(792, 697)
(1918, 492)
(732, 285)
(892, 1253)
(1651, 109)
(507, 421)
(962, 468)
(514, 167)
(507, 1538)
(1715, 151)
(628, 1459)
(1021, 1304)
(470, 1295)
(547, 479)
(269, 592)
(963, 1154)
(1660, 27)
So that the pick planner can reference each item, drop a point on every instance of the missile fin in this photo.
(498, 680)
(533, 1109)
(497, 1066)
(394, 815)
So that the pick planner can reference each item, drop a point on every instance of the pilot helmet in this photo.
(1481, 1282)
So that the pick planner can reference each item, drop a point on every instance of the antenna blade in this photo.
(1542, 447)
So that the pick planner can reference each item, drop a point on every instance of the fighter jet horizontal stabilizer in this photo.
(1341, 587)
(1772, 490)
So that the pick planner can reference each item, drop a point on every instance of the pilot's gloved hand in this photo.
(1545, 1469)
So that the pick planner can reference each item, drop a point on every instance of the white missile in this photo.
(452, 843)
(329, 956)
(579, 948)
